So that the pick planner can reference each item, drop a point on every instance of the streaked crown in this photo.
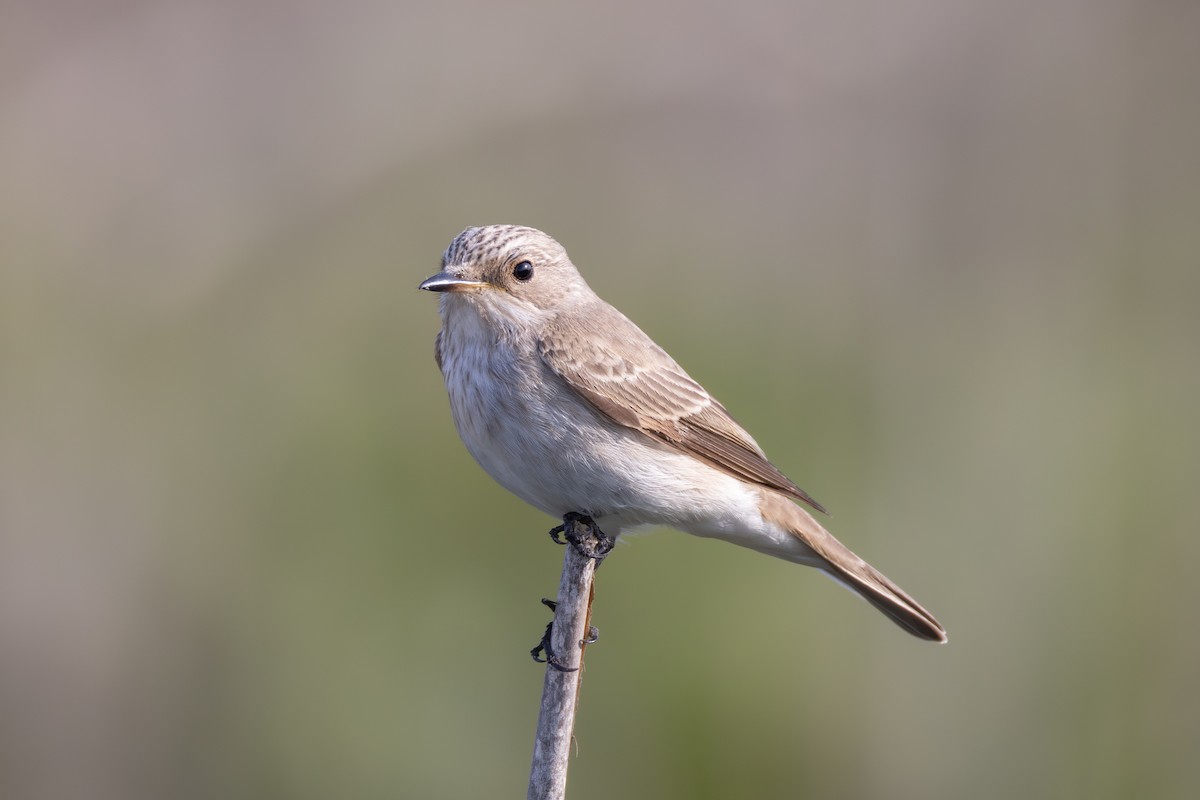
(499, 243)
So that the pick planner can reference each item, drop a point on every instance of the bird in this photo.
(570, 406)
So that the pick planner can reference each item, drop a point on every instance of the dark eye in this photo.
(523, 271)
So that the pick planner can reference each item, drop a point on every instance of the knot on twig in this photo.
(584, 535)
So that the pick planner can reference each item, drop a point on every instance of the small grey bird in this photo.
(571, 407)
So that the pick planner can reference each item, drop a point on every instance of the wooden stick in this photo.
(560, 690)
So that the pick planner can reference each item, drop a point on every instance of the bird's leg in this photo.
(575, 529)
(590, 542)
(544, 645)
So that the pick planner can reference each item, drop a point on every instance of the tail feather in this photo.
(844, 566)
(879, 591)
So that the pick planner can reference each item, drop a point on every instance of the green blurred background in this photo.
(942, 259)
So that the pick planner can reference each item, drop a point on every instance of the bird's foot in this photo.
(584, 535)
(544, 646)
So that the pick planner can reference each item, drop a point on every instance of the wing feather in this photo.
(628, 378)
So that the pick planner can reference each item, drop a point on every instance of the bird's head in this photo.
(507, 270)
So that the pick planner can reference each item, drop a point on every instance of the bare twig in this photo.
(560, 691)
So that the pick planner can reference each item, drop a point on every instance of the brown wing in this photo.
(627, 377)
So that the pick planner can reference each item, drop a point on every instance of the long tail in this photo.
(840, 563)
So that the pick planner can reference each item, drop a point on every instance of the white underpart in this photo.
(537, 438)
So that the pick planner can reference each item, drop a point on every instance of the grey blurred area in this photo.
(942, 260)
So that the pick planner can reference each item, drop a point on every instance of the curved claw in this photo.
(544, 646)
(552, 658)
(570, 532)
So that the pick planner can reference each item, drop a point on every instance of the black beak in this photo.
(447, 282)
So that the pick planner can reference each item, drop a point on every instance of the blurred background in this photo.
(942, 259)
